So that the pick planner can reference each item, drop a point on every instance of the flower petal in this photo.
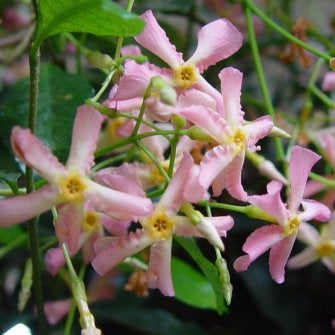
(56, 310)
(257, 130)
(120, 249)
(209, 121)
(308, 234)
(257, 243)
(302, 259)
(230, 178)
(231, 83)
(118, 204)
(328, 83)
(68, 225)
(271, 202)
(24, 207)
(279, 255)
(85, 134)
(28, 148)
(314, 210)
(216, 41)
(154, 38)
(301, 163)
(159, 268)
(173, 196)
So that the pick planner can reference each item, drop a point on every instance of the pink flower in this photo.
(157, 233)
(328, 83)
(289, 219)
(68, 185)
(320, 246)
(221, 166)
(216, 41)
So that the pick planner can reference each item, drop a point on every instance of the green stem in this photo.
(104, 85)
(173, 149)
(323, 97)
(323, 180)
(34, 63)
(240, 209)
(285, 33)
(261, 76)
(107, 162)
(154, 160)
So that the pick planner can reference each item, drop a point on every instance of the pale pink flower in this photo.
(320, 246)
(68, 185)
(328, 83)
(56, 310)
(216, 41)
(221, 166)
(289, 219)
(157, 233)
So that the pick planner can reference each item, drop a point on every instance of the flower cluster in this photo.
(185, 141)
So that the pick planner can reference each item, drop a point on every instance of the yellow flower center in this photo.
(325, 248)
(112, 127)
(156, 175)
(159, 225)
(71, 187)
(292, 226)
(238, 140)
(90, 222)
(185, 76)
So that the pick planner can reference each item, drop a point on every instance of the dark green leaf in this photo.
(190, 286)
(99, 17)
(60, 94)
(209, 270)
(9, 234)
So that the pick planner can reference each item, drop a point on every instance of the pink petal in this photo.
(195, 97)
(194, 190)
(209, 121)
(230, 178)
(88, 250)
(173, 196)
(122, 248)
(125, 106)
(231, 83)
(85, 134)
(130, 49)
(327, 142)
(222, 223)
(257, 243)
(24, 207)
(114, 227)
(302, 259)
(308, 234)
(313, 187)
(257, 130)
(301, 163)
(136, 78)
(328, 83)
(122, 179)
(54, 260)
(314, 210)
(216, 41)
(279, 255)
(118, 204)
(68, 225)
(154, 38)
(159, 269)
(271, 203)
(213, 164)
(56, 310)
(28, 148)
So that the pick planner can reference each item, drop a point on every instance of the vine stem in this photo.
(285, 33)
(260, 74)
(34, 63)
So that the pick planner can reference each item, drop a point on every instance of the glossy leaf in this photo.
(210, 271)
(60, 94)
(191, 287)
(99, 17)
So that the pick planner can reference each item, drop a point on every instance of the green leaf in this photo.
(9, 234)
(99, 17)
(210, 271)
(60, 94)
(190, 286)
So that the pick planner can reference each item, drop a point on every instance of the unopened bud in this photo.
(195, 133)
(179, 121)
(332, 63)
(224, 275)
(277, 132)
(166, 92)
(26, 284)
(255, 212)
(99, 60)
(208, 231)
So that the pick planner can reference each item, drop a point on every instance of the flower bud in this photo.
(167, 93)
(99, 60)
(178, 120)
(277, 132)
(255, 212)
(208, 231)
(195, 133)
(332, 63)
(224, 275)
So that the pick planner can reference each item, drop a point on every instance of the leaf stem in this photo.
(260, 74)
